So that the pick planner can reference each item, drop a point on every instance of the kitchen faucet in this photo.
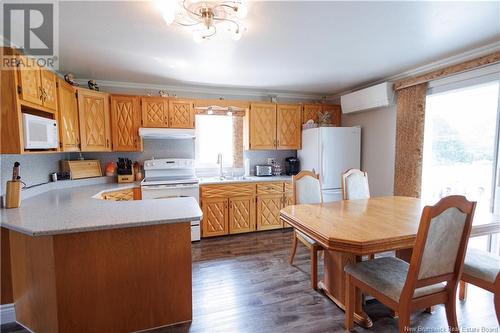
(219, 161)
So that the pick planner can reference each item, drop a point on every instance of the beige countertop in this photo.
(76, 209)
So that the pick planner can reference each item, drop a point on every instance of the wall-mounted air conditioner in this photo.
(380, 95)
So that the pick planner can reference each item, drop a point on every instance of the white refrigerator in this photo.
(330, 151)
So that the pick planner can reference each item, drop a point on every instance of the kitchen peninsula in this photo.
(83, 264)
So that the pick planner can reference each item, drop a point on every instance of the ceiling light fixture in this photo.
(206, 18)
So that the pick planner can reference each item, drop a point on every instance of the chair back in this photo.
(355, 185)
(307, 188)
(439, 251)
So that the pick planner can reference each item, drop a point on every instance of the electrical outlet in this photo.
(271, 160)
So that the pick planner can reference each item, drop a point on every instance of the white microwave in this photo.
(39, 132)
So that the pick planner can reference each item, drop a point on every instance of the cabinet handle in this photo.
(41, 93)
(274, 142)
(107, 143)
(278, 142)
(166, 120)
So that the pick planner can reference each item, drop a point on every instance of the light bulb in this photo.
(168, 9)
(229, 113)
(169, 17)
(200, 34)
(236, 34)
(242, 11)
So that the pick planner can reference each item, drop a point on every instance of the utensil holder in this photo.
(13, 194)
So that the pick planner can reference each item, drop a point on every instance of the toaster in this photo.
(263, 170)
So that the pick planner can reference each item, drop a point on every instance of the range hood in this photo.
(166, 133)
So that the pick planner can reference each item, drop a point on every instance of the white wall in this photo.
(378, 146)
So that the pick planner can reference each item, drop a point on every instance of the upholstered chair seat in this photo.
(306, 238)
(482, 265)
(388, 276)
(482, 269)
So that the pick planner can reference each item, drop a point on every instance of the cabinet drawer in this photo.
(269, 188)
(229, 190)
(121, 195)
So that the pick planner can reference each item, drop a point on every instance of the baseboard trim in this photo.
(7, 313)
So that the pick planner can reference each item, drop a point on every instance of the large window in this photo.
(214, 135)
(461, 146)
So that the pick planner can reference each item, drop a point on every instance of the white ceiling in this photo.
(317, 47)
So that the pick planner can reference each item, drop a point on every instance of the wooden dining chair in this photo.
(482, 269)
(307, 190)
(355, 185)
(438, 256)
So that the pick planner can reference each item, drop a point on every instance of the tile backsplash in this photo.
(36, 168)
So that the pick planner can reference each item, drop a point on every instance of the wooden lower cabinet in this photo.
(268, 211)
(215, 217)
(241, 214)
(239, 208)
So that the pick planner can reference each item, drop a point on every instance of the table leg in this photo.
(334, 282)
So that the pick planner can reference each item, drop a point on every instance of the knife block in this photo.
(13, 194)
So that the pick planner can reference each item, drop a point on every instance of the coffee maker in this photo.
(292, 166)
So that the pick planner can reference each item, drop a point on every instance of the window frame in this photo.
(471, 78)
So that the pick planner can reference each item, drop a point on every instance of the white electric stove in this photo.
(171, 178)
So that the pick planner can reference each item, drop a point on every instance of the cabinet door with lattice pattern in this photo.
(125, 123)
(93, 111)
(69, 129)
(154, 111)
(241, 214)
(262, 126)
(49, 92)
(268, 211)
(335, 113)
(289, 126)
(29, 81)
(215, 217)
(310, 111)
(181, 113)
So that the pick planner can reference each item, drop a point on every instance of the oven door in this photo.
(175, 191)
(170, 191)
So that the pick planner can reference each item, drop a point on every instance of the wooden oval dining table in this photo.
(350, 229)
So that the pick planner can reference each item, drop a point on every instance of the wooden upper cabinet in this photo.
(335, 113)
(125, 122)
(154, 111)
(310, 111)
(215, 217)
(29, 82)
(69, 129)
(262, 126)
(241, 214)
(36, 85)
(93, 111)
(289, 125)
(181, 113)
(49, 91)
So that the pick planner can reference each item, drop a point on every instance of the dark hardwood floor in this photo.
(245, 284)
